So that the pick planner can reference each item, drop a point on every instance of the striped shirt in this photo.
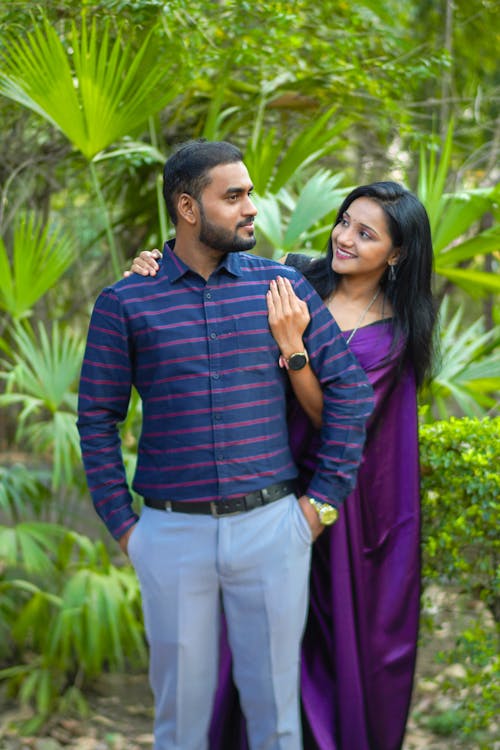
(214, 400)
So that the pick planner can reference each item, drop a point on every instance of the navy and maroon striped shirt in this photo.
(202, 357)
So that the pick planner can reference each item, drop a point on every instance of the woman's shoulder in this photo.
(298, 260)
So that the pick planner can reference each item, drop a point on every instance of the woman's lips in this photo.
(340, 253)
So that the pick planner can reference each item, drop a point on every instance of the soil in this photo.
(121, 717)
(121, 708)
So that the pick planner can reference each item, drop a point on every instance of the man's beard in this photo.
(221, 239)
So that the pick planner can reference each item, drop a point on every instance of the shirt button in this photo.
(208, 295)
(215, 375)
(213, 335)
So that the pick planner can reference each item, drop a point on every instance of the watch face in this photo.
(328, 514)
(297, 361)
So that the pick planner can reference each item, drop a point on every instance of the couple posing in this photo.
(270, 394)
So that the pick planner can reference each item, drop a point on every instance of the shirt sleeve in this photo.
(348, 402)
(103, 398)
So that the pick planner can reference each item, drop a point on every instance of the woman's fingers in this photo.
(145, 264)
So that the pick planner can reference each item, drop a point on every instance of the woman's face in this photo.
(361, 243)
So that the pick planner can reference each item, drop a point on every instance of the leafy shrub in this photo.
(460, 465)
(67, 614)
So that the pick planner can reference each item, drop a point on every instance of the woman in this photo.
(360, 643)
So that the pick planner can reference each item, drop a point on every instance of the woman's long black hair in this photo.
(410, 294)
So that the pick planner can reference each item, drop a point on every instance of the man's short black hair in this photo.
(186, 171)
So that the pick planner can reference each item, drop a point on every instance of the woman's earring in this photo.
(392, 272)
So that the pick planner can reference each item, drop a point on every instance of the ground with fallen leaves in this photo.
(121, 706)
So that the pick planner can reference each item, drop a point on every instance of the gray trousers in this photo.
(257, 565)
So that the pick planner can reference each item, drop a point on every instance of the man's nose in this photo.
(249, 207)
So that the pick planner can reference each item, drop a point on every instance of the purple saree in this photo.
(359, 647)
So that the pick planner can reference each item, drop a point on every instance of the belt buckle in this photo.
(215, 506)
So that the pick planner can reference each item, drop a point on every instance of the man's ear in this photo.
(187, 208)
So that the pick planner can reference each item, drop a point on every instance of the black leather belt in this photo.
(226, 507)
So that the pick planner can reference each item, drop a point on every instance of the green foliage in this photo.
(28, 545)
(90, 610)
(273, 77)
(460, 461)
(447, 723)
(454, 218)
(40, 255)
(22, 492)
(40, 377)
(468, 376)
(97, 94)
(470, 685)
(477, 651)
(293, 220)
(274, 159)
(101, 91)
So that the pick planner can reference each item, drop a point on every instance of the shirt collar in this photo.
(175, 268)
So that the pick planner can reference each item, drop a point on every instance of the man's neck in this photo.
(200, 258)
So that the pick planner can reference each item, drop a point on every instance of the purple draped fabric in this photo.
(359, 647)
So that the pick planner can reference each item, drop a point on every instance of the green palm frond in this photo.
(58, 438)
(292, 220)
(22, 491)
(96, 624)
(273, 161)
(310, 145)
(432, 177)
(454, 219)
(269, 219)
(40, 255)
(469, 374)
(44, 367)
(40, 379)
(95, 96)
(475, 283)
(458, 212)
(487, 241)
(30, 545)
(319, 196)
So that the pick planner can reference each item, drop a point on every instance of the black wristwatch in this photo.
(296, 361)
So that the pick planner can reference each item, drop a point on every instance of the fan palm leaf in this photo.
(95, 96)
(40, 256)
(40, 379)
(44, 367)
(93, 89)
(21, 492)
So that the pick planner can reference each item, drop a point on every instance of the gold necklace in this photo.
(363, 315)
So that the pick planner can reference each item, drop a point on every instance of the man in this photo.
(221, 525)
